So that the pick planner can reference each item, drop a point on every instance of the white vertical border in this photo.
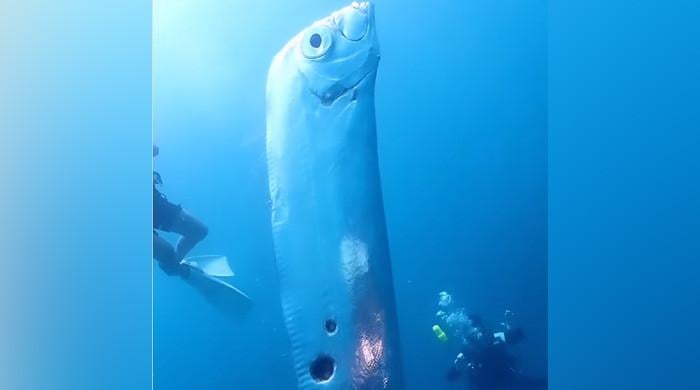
(153, 12)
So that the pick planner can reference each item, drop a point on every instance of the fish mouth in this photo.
(366, 7)
(348, 24)
(327, 99)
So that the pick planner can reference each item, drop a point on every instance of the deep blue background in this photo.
(624, 195)
(462, 128)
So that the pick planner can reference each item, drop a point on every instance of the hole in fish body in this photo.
(322, 368)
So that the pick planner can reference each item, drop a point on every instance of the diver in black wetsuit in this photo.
(171, 217)
(486, 363)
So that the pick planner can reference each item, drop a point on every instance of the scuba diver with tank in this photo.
(483, 359)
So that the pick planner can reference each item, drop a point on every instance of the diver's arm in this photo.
(510, 334)
(456, 368)
(156, 150)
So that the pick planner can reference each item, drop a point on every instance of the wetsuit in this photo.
(488, 366)
(164, 212)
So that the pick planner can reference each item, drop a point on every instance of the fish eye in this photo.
(316, 42)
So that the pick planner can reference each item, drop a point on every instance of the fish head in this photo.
(337, 54)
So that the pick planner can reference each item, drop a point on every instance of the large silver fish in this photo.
(327, 213)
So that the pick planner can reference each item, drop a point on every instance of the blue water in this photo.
(462, 130)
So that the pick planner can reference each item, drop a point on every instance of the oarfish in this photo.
(328, 221)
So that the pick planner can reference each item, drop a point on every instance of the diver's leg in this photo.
(164, 253)
(192, 231)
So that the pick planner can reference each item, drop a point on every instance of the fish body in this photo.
(328, 221)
